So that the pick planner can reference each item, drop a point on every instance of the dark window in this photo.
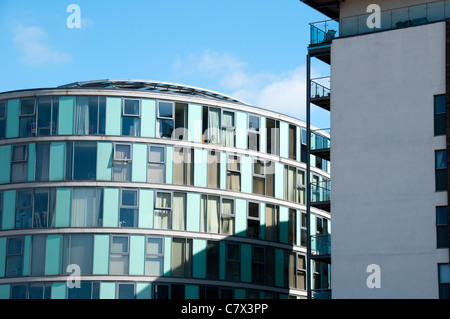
(182, 257)
(129, 207)
(14, 257)
(81, 160)
(273, 136)
(27, 117)
(441, 170)
(253, 220)
(47, 115)
(258, 265)
(444, 281)
(212, 260)
(131, 117)
(126, 291)
(42, 162)
(233, 262)
(292, 142)
(3, 107)
(253, 132)
(440, 107)
(442, 226)
(165, 119)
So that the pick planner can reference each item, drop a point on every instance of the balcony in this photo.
(321, 294)
(320, 93)
(320, 195)
(323, 32)
(320, 146)
(321, 247)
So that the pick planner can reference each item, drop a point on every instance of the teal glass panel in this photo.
(169, 164)
(5, 164)
(148, 118)
(284, 136)
(2, 257)
(200, 167)
(199, 258)
(241, 217)
(111, 207)
(146, 200)
(246, 263)
(193, 218)
(31, 155)
(101, 255)
(195, 123)
(9, 209)
(59, 290)
(57, 160)
(246, 174)
(113, 115)
(167, 256)
(66, 120)
(284, 224)
(26, 256)
(107, 290)
(139, 163)
(53, 255)
(137, 255)
(191, 292)
(12, 119)
(63, 204)
(241, 130)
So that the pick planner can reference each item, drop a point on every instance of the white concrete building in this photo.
(387, 103)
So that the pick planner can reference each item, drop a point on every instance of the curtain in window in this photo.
(163, 216)
(178, 254)
(83, 207)
(228, 130)
(234, 181)
(213, 214)
(214, 125)
(227, 218)
(156, 173)
(81, 252)
(82, 116)
(291, 182)
(178, 218)
(178, 167)
(213, 170)
(42, 161)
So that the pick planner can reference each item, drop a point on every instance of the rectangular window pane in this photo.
(119, 258)
(24, 209)
(212, 260)
(156, 154)
(213, 170)
(85, 160)
(38, 245)
(126, 291)
(165, 109)
(42, 162)
(154, 260)
(179, 211)
(27, 107)
(85, 207)
(131, 107)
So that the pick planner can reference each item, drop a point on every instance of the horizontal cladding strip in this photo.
(161, 96)
(152, 232)
(153, 279)
(147, 140)
(170, 187)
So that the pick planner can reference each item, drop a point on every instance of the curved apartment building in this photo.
(153, 190)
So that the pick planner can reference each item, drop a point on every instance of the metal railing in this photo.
(319, 91)
(320, 192)
(321, 245)
(325, 31)
(321, 293)
(319, 142)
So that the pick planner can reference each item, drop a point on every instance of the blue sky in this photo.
(253, 50)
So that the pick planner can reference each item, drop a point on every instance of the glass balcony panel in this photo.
(321, 245)
(400, 18)
(436, 11)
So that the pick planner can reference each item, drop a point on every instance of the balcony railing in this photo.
(321, 245)
(319, 91)
(319, 142)
(323, 32)
(320, 192)
(321, 294)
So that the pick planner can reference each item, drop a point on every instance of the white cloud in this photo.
(31, 42)
(284, 93)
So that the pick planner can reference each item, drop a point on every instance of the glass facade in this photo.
(129, 186)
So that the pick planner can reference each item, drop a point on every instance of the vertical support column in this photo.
(308, 176)
(447, 90)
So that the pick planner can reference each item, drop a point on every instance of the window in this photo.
(119, 255)
(442, 226)
(14, 257)
(90, 115)
(38, 250)
(40, 290)
(234, 173)
(228, 128)
(303, 231)
(233, 262)
(441, 170)
(211, 125)
(87, 207)
(444, 281)
(87, 290)
(181, 121)
(215, 210)
(121, 168)
(213, 169)
(1, 209)
(47, 115)
(156, 169)
(212, 259)
(165, 119)
(292, 142)
(19, 291)
(182, 257)
(24, 209)
(253, 132)
(78, 249)
(270, 266)
(161, 291)
(253, 220)
(81, 160)
(35, 208)
(440, 110)
(292, 227)
(131, 121)
(301, 272)
(126, 290)
(19, 163)
(27, 117)
(3, 108)
(258, 265)
(42, 170)
(211, 292)
(322, 226)
(273, 136)
(183, 166)
(272, 223)
(129, 208)
(263, 177)
(154, 256)
(303, 147)
(227, 216)
(294, 189)
(289, 269)
(320, 275)
(163, 210)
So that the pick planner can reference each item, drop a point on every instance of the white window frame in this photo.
(124, 114)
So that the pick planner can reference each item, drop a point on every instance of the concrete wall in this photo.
(383, 194)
